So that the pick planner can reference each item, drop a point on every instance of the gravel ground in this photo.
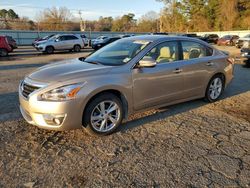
(193, 144)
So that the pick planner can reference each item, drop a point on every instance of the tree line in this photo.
(9, 19)
(61, 19)
(176, 16)
(205, 15)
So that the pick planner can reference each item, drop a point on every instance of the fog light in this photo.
(58, 120)
(52, 119)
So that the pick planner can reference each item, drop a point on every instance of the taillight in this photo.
(230, 60)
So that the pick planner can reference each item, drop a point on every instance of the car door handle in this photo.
(210, 64)
(177, 71)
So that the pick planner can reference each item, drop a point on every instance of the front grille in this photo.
(27, 89)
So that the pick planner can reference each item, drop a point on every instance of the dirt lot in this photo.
(193, 144)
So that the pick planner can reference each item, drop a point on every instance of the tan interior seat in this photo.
(165, 55)
(194, 53)
(185, 55)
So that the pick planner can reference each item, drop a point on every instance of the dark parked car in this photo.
(245, 52)
(192, 35)
(127, 35)
(160, 33)
(228, 40)
(210, 38)
(5, 48)
(240, 41)
(99, 44)
(12, 42)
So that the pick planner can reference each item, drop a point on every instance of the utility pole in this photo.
(82, 23)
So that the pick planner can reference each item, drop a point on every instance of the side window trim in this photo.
(145, 53)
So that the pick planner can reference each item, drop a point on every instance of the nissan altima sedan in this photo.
(130, 75)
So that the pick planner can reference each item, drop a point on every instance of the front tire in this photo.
(215, 88)
(49, 50)
(103, 114)
(3, 52)
(77, 48)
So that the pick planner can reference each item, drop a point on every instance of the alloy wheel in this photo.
(105, 116)
(215, 88)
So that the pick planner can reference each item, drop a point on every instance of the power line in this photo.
(28, 21)
(77, 10)
(38, 7)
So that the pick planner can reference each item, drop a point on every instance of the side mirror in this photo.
(147, 62)
(57, 40)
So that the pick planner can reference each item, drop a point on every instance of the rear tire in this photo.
(49, 50)
(103, 115)
(77, 48)
(215, 88)
(3, 52)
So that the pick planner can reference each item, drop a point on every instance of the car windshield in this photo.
(54, 37)
(101, 38)
(117, 53)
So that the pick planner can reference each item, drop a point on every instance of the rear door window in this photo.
(71, 37)
(62, 38)
(193, 50)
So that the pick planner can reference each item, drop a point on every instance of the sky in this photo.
(90, 9)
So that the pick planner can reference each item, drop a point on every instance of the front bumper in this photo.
(36, 112)
(40, 48)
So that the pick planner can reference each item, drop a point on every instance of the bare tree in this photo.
(56, 19)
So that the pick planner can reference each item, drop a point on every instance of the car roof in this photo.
(159, 38)
(153, 38)
(66, 34)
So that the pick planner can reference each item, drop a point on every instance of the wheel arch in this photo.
(77, 45)
(115, 92)
(219, 74)
(50, 46)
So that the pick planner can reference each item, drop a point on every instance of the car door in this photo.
(161, 84)
(72, 41)
(198, 65)
(60, 43)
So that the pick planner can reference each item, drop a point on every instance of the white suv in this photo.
(61, 42)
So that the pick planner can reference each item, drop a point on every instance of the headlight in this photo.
(62, 93)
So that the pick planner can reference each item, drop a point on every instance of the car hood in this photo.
(41, 42)
(67, 70)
